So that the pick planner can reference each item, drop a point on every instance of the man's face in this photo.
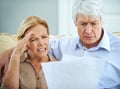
(89, 30)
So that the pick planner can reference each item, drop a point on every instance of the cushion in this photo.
(7, 41)
(117, 33)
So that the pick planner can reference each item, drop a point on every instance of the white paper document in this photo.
(75, 73)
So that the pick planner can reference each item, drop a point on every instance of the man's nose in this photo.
(88, 28)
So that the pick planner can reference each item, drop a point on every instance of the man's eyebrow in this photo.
(83, 21)
(95, 21)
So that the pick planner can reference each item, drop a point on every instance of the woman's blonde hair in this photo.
(29, 22)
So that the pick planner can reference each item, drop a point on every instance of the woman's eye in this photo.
(44, 36)
(32, 39)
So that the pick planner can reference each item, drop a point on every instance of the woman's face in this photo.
(39, 43)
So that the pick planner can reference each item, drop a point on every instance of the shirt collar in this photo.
(76, 43)
(24, 58)
(104, 43)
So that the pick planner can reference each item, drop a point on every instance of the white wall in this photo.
(12, 12)
(112, 15)
(58, 14)
(65, 22)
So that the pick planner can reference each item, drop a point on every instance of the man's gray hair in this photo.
(92, 8)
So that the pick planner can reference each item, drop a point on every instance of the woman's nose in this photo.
(40, 42)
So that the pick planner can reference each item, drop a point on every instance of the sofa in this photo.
(9, 40)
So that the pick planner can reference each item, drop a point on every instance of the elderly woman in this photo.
(24, 69)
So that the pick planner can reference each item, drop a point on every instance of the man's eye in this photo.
(93, 23)
(83, 24)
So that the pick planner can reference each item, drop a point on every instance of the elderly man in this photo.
(92, 40)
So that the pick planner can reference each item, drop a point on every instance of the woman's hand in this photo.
(11, 79)
(21, 47)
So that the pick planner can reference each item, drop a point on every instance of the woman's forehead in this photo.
(38, 29)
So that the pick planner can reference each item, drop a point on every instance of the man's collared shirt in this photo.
(107, 49)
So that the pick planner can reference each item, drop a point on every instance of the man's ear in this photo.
(75, 23)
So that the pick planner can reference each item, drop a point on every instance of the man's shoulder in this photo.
(114, 38)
